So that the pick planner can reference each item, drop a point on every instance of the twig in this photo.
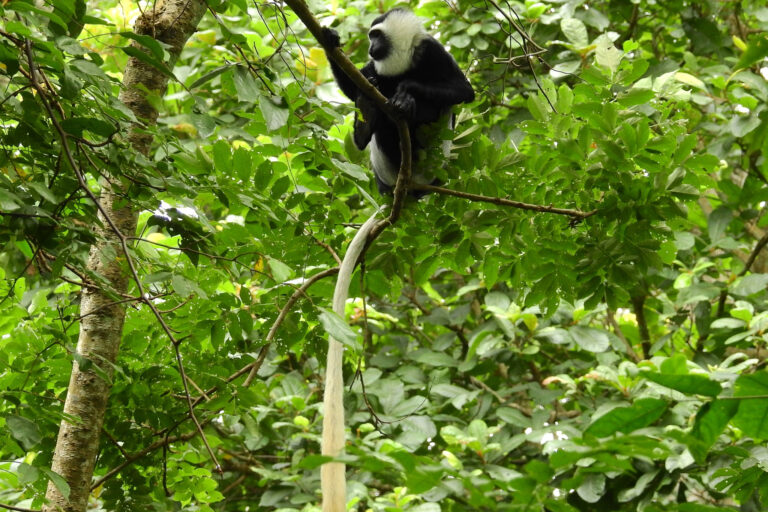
(115, 442)
(617, 331)
(514, 24)
(576, 214)
(149, 449)
(368, 89)
(747, 265)
(328, 248)
(19, 509)
(638, 304)
(753, 255)
(12, 287)
(253, 368)
(630, 33)
(477, 382)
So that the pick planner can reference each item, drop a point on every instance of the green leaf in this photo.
(590, 339)
(27, 474)
(757, 50)
(222, 157)
(478, 429)
(689, 79)
(424, 478)
(28, 7)
(354, 171)
(749, 284)
(183, 286)
(14, 27)
(339, 329)
(640, 486)
(710, 422)
(539, 471)
(696, 507)
(148, 42)
(314, 461)
(147, 58)
(592, 487)
(684, 240)
(69, 45)
(245, 85)
(58, 481)
(432, 358)
(76, 125)
(607, 55)
(690, 384)
(460, 40)
(752, 416)
(677, 364)
(44, 192)
(537, 107)
(742, 125)
(497, 302)
(575, 31)
(280, 271)
(491, 266)
(696, 293)
(718, 221)
(211, 75)
(564, 99)
(275, 116)
(628, 419)
(25, 431)
(633, 97)
(513, 417)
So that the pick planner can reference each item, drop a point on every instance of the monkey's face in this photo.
(394, 37)
(380, 45)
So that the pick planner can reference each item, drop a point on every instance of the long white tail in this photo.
(333, 482)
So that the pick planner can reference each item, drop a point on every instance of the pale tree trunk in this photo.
(101, 327)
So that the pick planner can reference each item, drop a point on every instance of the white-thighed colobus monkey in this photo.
(418, 77)
(423, 82)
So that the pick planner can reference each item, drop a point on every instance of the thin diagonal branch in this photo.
(576, 214)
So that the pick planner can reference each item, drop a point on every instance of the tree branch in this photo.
(747, 265)
(165, 441)
(577, 215)
(254, 366)
(638, 304)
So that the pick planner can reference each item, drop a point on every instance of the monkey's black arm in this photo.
(437, 77)
(368, 117)
(346, 84)
(447, 92)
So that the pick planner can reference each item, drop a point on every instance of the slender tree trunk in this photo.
(638, 304)
(101, 327)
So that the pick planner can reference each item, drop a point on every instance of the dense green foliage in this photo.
(514, 360)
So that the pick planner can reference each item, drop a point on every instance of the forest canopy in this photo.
(574, 319)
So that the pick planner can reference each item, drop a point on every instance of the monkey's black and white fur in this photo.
(418, 77)
(421, 80)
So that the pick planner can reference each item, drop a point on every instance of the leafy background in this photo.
(509, 360)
